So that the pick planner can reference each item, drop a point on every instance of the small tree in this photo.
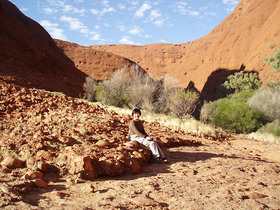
(241, 81)
(182, 102)
(274, 61)
(89, 88)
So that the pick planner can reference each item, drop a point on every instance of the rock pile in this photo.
(46, 135)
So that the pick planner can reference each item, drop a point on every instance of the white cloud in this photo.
(184, 9)
(134, 31)
(96, 37)
(73, 10)
(107, 10)
(121, 6)
(140, 12)
(231, 2)
(105, 3)
(65, 8)
(127, 40)
(230, 9)
(94, 11)
(154, 14)
(158, 23)
(75, 24)
(121, 27)
(210, 13)
(193, 13)
(55, 32)
(49, 10)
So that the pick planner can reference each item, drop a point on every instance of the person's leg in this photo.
(155, 149)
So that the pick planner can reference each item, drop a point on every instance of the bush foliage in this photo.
(237, 117)
(233, 113)
(182, 102)
(268, 102)
(238, 82)
(272, 128)
(133, 87)
(274, 61)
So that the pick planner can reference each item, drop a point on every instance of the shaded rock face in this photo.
(29, 56)
(241, 41)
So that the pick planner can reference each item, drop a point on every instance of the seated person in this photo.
(137, 133)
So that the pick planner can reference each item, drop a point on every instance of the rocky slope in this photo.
(30, 57)
(60, 153)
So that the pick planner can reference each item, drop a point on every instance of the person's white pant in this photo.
(155, 149)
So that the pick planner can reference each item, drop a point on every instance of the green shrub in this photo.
(237, 117)
(274, 61)
(268, 102)
(208, 110)
(101, 92)
(233, 113)
(238, 82)
(272, 128)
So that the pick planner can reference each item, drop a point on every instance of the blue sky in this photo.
(134, 22)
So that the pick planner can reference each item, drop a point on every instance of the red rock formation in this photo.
(242, 40)
(97, 64)
(29, 56)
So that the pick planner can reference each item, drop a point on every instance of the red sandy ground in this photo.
(77, 140)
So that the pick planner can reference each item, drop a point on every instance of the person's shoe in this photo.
(161, 160)
(158, 160)
(164, 160)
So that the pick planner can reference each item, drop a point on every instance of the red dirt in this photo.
(60, 153)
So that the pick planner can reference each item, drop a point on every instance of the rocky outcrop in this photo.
(51, 133)
(30, 57)
(97, 64)
(250, 33)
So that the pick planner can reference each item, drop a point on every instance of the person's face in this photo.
(136, 116)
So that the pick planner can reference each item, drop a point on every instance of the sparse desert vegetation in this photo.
(62, 152)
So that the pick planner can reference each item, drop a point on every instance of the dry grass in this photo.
(187, 125)
(265, 137)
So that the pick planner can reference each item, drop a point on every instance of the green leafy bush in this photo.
(238, 82)
(272, 128)
(238, 117)
(274, 61)
(233, 113)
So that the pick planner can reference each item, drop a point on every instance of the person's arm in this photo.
(137, 129)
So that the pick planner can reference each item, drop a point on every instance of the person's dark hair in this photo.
(136, 111)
